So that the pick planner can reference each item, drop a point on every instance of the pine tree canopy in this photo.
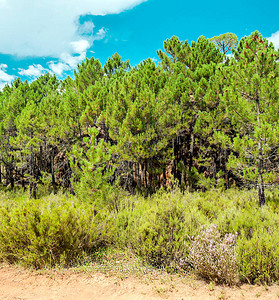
(197, 118)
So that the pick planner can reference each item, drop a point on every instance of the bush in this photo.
(161, 242)
(60, 231)
(157, 228)
(214, 257)
(259, 257)
(247, 220)
(50, 232)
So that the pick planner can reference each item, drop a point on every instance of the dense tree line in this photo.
(197, 119)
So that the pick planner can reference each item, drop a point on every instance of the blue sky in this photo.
(39, 36)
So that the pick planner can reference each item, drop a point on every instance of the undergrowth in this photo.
(167, 230)
(51, 231)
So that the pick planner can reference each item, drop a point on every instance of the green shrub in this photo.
(247, 221)
(213, 256)
(61, 231)
(51, 231)
(157, 228)
(161, 242)
(259, 256)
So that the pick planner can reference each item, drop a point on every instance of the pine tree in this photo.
(14, 99)
(226, 42)
(189, 70)
(251, 100)
(92, 168)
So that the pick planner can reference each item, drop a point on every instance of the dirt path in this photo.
(17, 283)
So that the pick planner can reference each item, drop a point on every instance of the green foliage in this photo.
(250, 98)
(51, 231)
(194, 121)
(258, 256)
(93, 169)
(178, 120)
(157, 229)
(167, 229)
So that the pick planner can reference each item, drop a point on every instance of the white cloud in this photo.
(49, 27)
(68, 61)
(58, 68)
(33, 71)
(65, 62)
(275, 39)
(100, 35)
(3, 75)
(5, 78)
(86, 28)
(72, 61)
(80, 46)
(3, 3)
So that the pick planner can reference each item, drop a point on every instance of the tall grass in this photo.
(167, 229)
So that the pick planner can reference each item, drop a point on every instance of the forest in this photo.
(203, 118)
(198, 119)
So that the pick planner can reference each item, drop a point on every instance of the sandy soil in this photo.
(18, 283)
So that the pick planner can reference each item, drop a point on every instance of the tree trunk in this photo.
(32, 184)
(33, 190)
(191, 151)
(52, 171)
(11, 176)
(260, 159)
(226, 170)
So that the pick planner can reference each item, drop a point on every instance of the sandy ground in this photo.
(18, 283)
